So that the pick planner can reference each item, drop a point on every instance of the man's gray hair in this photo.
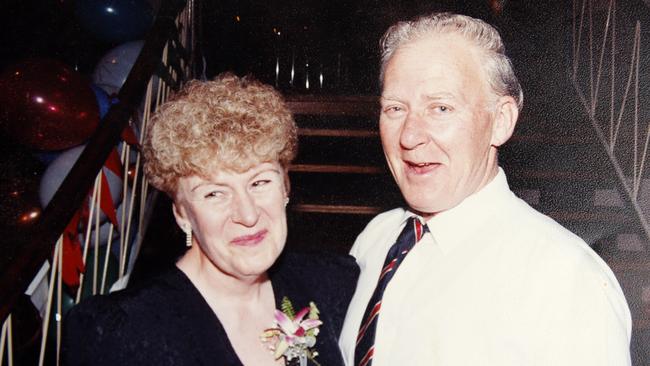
(498, 66)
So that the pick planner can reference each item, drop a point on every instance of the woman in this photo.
(221, 150)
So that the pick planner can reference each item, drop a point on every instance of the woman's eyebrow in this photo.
(205, 183)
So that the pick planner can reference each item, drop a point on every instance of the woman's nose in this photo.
(245, 210)
(413, 132)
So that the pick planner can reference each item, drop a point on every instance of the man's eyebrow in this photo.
(388, 97)
(438, 96)
(430, 96)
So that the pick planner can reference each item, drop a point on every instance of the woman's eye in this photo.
(261, 182)
(442, 108)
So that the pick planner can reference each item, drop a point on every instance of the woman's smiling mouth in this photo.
(250, 240)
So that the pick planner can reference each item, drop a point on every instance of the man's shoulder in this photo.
(532, 231)
(391, 218)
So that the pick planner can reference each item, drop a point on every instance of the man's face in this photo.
(436, 122)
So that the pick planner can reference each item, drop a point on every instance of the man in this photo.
(491, 281)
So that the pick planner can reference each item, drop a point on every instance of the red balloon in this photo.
(19, 184)
(46, 105)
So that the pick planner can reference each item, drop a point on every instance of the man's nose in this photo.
(245, 210)
(413, 132)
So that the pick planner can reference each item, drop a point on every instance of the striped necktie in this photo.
(410, 235)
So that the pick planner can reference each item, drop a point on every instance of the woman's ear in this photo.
(180, 215)
(505, 118)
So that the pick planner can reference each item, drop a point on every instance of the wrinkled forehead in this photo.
(445, 63)
(221, 175)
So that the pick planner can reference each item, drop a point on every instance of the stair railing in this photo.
(36, 266)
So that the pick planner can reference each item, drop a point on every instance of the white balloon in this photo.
(114, 67)
(58, 170)
(105, 228)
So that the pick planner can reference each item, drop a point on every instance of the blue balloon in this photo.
(103, 100)
(115, 20)
(46, 157)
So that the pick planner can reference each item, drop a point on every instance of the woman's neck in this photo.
(210, 280)
(244, 306)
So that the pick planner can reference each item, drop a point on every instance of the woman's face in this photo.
(238, 220)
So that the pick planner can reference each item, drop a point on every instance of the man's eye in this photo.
(214, 194)
(393, 110)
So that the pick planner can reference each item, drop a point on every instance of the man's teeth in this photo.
(420, 165)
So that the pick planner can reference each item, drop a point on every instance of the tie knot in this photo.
(418, 227)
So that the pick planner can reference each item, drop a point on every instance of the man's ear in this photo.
(505, 119)
(287, 182)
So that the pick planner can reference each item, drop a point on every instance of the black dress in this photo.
(167, 321)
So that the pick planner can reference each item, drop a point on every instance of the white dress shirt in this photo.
(494, 283)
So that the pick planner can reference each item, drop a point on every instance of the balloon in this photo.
(130, 173)
(133, 152)
(105, 228)
(19, 205)
(103, 100)
(111, 272)
(46, 157)
(114, 67)
(46, 105)
(115, 20)
(59, 168)
(67, 303)
(67, 300)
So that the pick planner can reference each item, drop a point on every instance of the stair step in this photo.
(325, 132)
(323, 231)
(357, 105)
(342, 122)
(338, 209)
(348, 186)
(329, 168)
(339, 151)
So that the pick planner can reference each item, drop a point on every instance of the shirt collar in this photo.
(456, 224)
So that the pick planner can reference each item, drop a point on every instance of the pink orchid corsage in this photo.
(293, 336)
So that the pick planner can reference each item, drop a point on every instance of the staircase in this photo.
(340, 180)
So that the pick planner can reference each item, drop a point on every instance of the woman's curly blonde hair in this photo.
(229, 123)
